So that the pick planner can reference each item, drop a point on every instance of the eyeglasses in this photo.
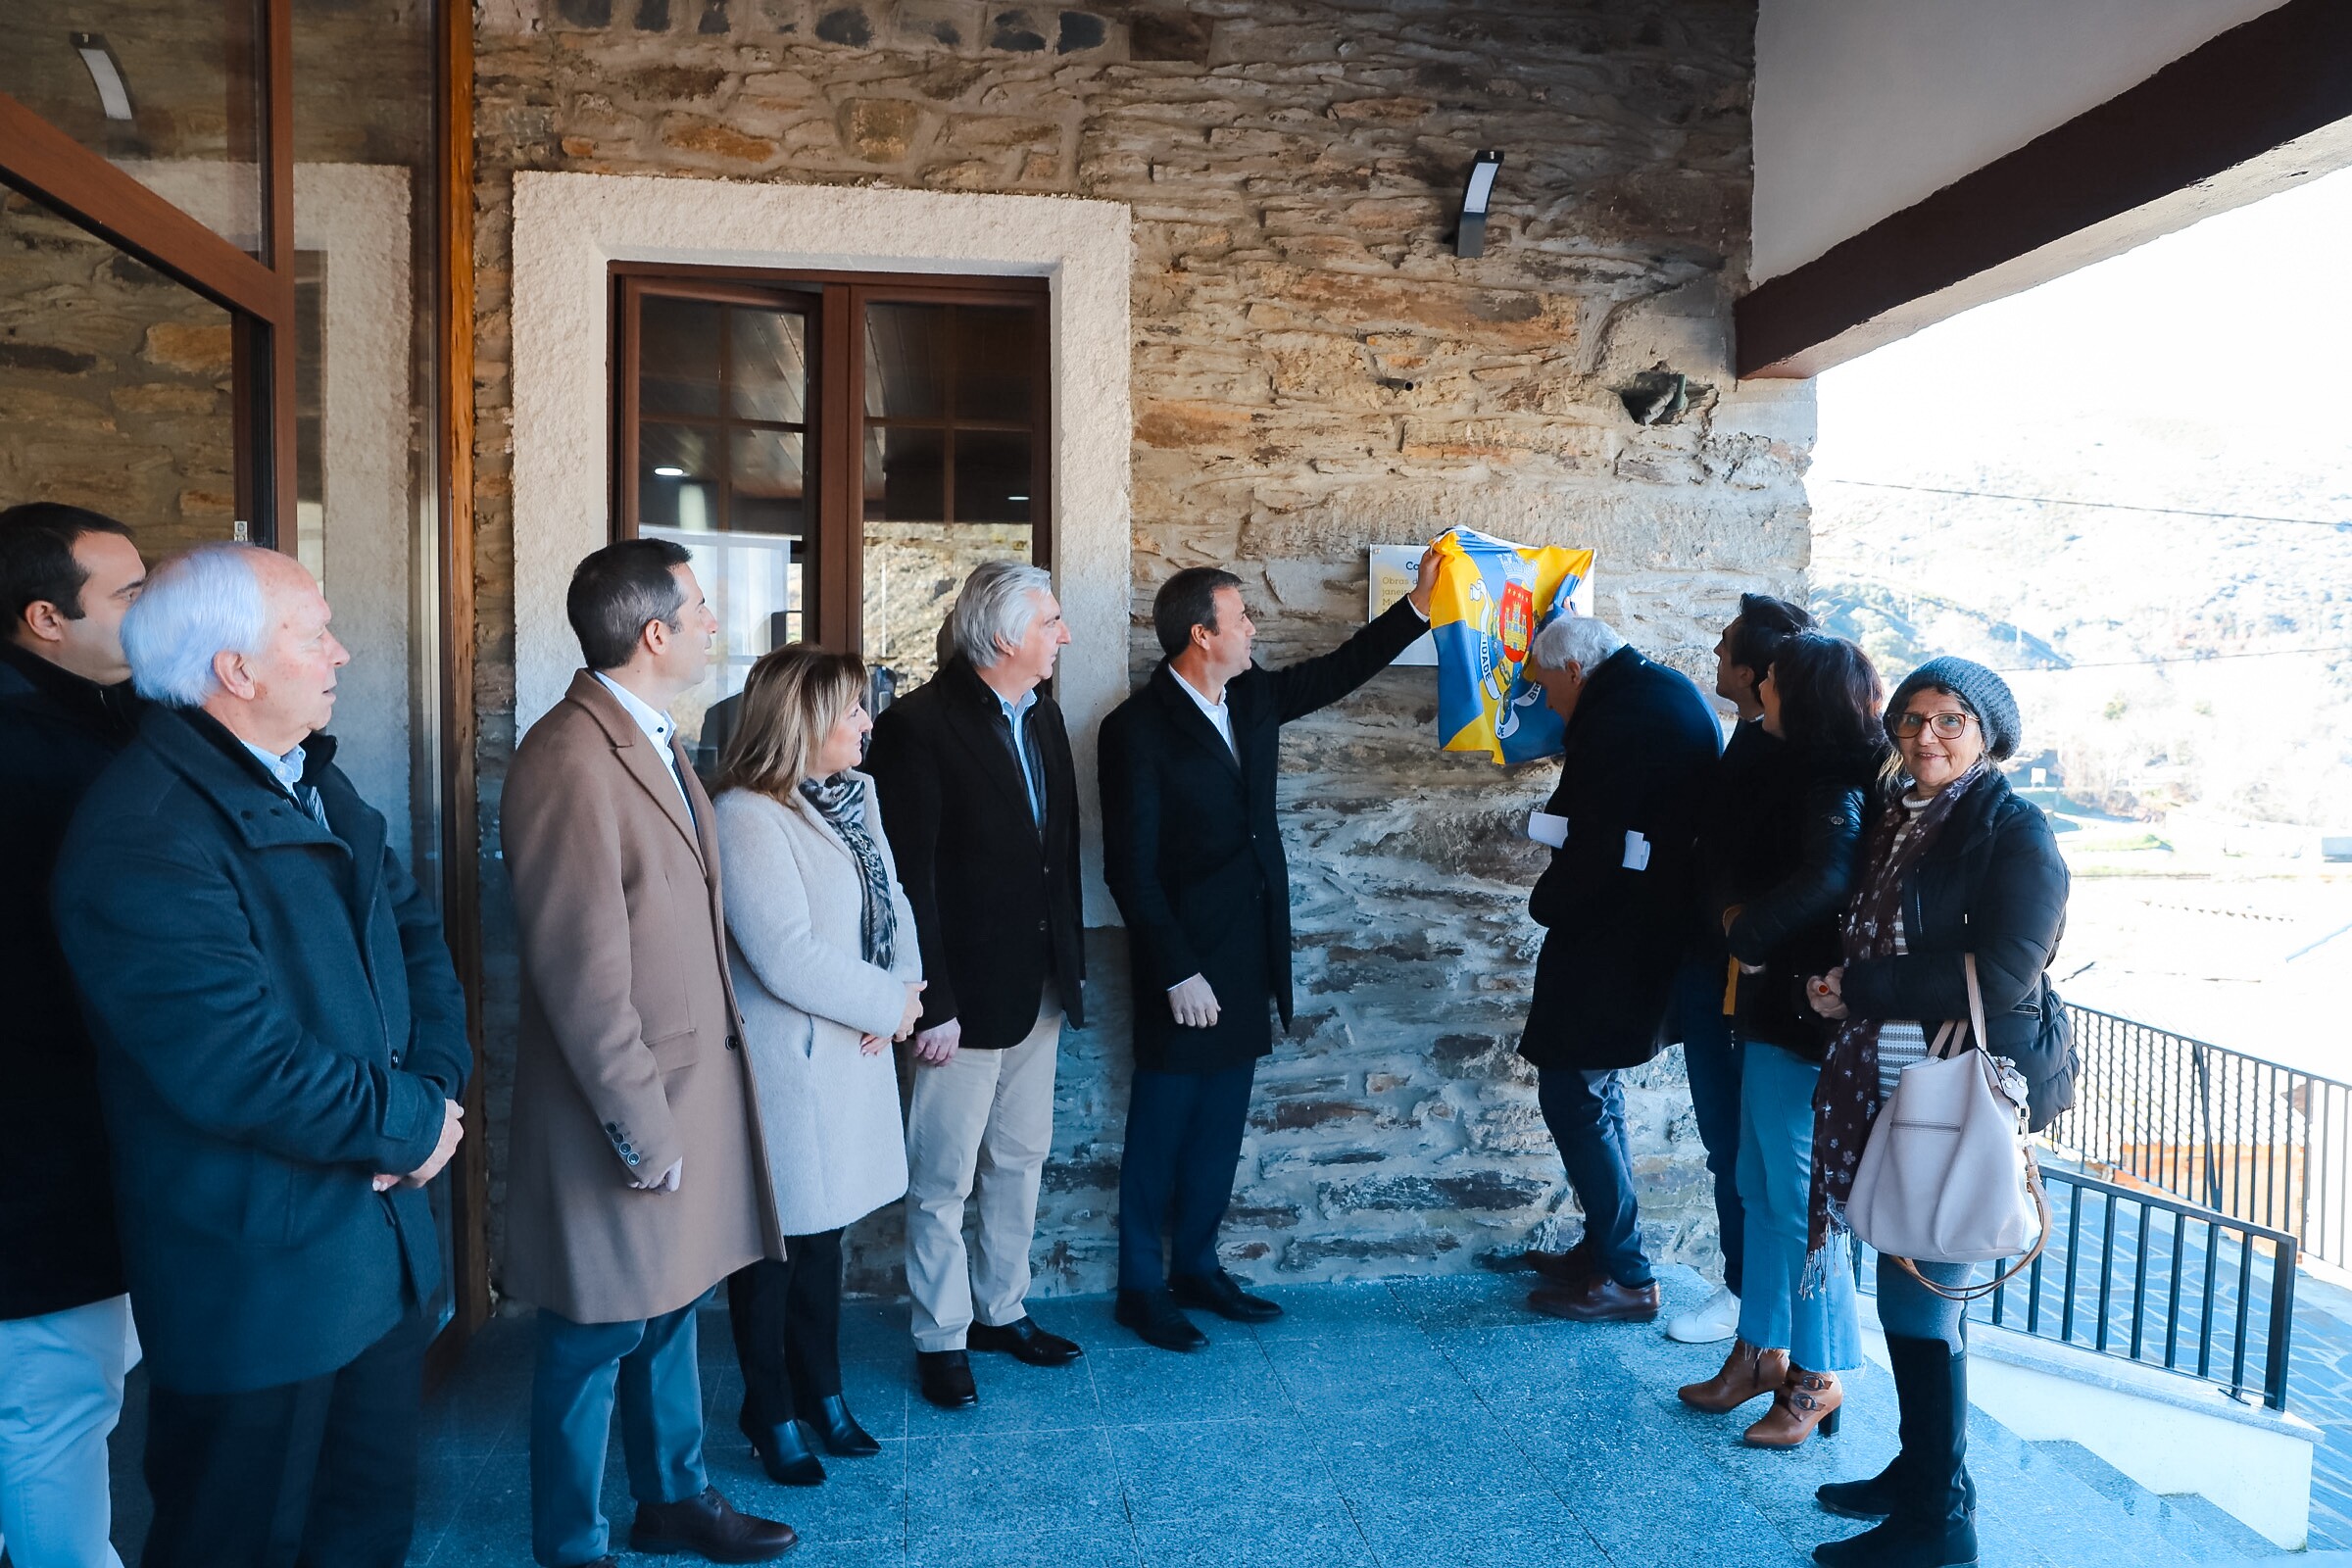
(1949, 726)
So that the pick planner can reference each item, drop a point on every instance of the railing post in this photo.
(2275, 1353)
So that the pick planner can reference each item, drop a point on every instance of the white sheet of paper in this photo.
(1637, 852)
(1546, 828)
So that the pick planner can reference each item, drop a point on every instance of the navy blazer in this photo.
(1192, 850)
(1636, 759)
(278, 1020)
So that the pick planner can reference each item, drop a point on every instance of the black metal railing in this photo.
(2258, 1140)
(2150, 1279)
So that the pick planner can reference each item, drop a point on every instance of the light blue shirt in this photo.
(287, 770)
(1016, 717)
(659, 727)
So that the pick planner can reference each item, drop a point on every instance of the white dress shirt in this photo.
(659, 727)
(1216, 712)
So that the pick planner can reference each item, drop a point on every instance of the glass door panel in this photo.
(723, 462)
(167, 90)
(117, 388)
(950, 468)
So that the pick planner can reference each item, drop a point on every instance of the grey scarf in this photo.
(841, 802)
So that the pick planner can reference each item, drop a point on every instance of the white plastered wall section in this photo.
(568, 228)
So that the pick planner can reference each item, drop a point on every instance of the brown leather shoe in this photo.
(1599, 1300)
(711, 1528)
(1570, 1268)
(1749, 1370)
(1806, 1401)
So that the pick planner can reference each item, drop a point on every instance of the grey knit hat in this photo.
(1983, 694)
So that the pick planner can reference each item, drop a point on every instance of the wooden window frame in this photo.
(834, 611)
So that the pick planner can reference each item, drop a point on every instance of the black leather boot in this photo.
(784, 1453)
(839, 1431)
(1932, 1521)
(1920, 1369)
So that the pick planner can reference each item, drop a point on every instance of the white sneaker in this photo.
(1718, 1319)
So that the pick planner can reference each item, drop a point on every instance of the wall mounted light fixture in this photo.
(1470, 239)
(106, 74)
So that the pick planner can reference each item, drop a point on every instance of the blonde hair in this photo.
(791, 701)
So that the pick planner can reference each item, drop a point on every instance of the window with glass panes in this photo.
(835, 452)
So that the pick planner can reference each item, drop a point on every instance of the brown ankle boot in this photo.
(1808, 1399)
(1749, 1370)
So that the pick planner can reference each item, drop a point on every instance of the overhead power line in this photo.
(2344, 526)
(2176, 658)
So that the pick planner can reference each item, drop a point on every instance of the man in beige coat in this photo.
(635, 1178)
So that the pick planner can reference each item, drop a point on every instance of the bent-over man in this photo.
(1615, 905)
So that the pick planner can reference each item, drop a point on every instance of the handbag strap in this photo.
(1947, 1041)
(2042, 1239)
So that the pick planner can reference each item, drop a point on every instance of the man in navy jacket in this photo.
(1194, 856)
(281, 1048)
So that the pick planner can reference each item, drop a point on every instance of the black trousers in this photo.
(787, 1323)
(1184, 1139)
(317, 1474)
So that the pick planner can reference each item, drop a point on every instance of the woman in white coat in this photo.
(827, 975)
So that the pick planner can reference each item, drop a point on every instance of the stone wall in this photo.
(1314, 371)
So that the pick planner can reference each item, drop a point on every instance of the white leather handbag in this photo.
(1948, 1176)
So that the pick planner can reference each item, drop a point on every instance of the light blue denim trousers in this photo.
(1821, 1332)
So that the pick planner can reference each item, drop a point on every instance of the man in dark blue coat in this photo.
(1615, 905)
(281, 1048)
(1194, 856)
(66, 709)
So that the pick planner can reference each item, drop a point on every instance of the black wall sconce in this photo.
(1470, 238)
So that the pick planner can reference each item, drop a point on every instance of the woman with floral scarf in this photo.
(1957, 863)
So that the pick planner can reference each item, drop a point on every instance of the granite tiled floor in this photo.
(1410, 1424)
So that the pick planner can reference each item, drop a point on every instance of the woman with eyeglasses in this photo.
(1957, 864)
(1779, 896)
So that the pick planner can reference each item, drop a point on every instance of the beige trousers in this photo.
(982, 1120)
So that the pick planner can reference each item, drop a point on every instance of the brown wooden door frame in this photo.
(838, 454)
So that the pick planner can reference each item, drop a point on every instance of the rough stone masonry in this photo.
(1314, 371)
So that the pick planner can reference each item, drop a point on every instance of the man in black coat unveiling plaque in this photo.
(1194, 856)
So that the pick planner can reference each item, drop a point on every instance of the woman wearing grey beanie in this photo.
(1956, 865)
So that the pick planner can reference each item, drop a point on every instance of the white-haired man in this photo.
(1614, 903)
(980, 800)
(281, 1053)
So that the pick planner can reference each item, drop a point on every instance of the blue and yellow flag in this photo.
(1491, 600)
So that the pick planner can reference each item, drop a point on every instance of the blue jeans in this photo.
(1711, 1057)
(1586, 1112)
(1822, 1331)
(1909, 1310)
(651, 1365)
(60, 1393)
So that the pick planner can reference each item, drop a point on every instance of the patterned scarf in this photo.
(841, 802)
(1846, 1098)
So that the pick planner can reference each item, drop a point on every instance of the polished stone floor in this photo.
(1410, 1424)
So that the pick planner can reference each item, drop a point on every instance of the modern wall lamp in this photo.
(106, 74)
(1470, 238)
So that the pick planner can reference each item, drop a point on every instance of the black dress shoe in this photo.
(711, 1528)
(783, 1453)
(1156, 1320)
(1572, 1269)
(1024, 1342)
(839, 1431)
(945, 1377)
(608, 1561)
(1220, 1292)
